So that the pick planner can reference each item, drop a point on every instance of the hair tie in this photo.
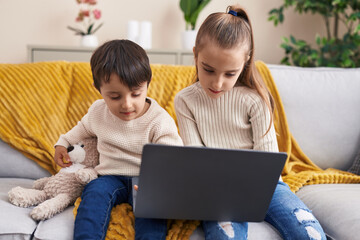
(232, 12)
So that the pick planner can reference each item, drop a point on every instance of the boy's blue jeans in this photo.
(97, 201)
(287, 213)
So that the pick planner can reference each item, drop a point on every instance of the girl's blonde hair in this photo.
(233, 29)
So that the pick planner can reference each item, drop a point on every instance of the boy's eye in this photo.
(114, 96)
(136, 94)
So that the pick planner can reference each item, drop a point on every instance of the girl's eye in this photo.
(115, 98)
(230, 74)
(208, 70)
(136, 95)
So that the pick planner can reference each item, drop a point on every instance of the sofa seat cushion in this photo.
(15, 222)
(59, 227)
(335, 206)
(263, 230)
(257, 230)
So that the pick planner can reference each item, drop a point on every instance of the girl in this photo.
(230, 107)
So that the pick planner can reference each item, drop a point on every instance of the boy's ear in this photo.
(195, 59)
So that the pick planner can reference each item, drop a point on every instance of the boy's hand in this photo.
(61, 157)
(136, 187)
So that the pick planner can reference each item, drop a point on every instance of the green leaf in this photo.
(285, 40)
(335, 2)
(76, 30)
(314, 56)
(300, 43)
(285, 61)
(318, 39)
(97, 28)
(195, 14)
(357, 29)
(324, 41)
(89, 28)
(273, 11)
(293, 40)
(191, 10)
(281, 17)
(188, 6)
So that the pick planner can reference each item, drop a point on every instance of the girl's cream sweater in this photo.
(236, 120)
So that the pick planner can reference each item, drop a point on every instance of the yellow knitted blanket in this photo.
(40, 101)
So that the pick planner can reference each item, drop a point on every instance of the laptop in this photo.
(200, 183)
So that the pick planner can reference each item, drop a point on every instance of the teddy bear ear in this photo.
(70, 148)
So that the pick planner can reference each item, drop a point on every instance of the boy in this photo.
(123, 121)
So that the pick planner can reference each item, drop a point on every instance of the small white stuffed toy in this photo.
(53, 194)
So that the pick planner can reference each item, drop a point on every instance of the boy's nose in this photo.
(126, 103)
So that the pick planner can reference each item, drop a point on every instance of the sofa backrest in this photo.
(322, 106)
(16, 165)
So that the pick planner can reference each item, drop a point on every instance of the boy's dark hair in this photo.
(124, 58)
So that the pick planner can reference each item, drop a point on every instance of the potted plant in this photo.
(87, 15)
(333, 50)
(191, 10)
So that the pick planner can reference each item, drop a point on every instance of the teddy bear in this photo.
(53, 194)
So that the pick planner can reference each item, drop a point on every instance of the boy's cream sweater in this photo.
(236, 120)
(120, 142)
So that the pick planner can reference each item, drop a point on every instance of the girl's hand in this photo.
(136, 187)
(61, 157)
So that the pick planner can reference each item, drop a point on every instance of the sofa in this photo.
(322, 109)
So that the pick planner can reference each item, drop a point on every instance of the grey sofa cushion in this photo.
(17, 165)
(59, 227)
(257, 230)
(336, 207)
(263, 230)
(15, 222)
(322, 108)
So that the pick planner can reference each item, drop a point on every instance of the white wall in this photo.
(44, 22)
